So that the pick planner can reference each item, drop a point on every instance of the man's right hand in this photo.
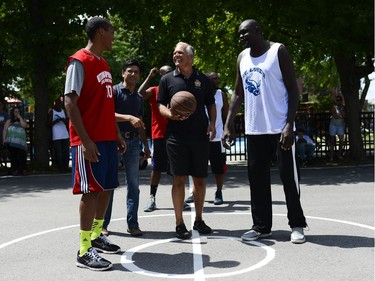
(90, 151)
(153, 72)
(137, 122)
(228, 139)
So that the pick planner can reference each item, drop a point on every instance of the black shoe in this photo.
(186, 207)
(135, 231)
(218, 198)
(104, 245)
(93, 261)
(201, 227)
(182, 232)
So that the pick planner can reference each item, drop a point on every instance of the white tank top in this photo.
(265, 95)
(59, 131)
(219, 120)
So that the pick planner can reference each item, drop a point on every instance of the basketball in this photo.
(183, 103)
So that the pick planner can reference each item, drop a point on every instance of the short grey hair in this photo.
(189, 48)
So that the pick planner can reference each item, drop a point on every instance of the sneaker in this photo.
(201, 227)
(104, 245)
(190, 199)
(135, 231)
(186, 206)
(297, 236)
(93, 261)
(182, 232)
(105, 231)
(151, 205)
(218, 198)
(252, 235)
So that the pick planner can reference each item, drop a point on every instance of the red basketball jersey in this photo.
(158, 121)
(96, 102)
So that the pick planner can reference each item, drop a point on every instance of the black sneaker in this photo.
(218, 198)
(201, 227)
(182, 232)
(186, 207)
(93, 261)
(104, 245)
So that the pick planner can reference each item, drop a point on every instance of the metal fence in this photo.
(320, 135)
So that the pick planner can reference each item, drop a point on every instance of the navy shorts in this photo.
(217, 158)
(159, 155)
(188, 157)
(95, 177)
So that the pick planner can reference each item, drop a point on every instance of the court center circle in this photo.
(127, 262)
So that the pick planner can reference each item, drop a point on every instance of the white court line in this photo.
(196, 242)
(164, 215)
(36, 234)
(128, 263)
(198, 274)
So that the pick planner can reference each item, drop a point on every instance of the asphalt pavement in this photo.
(39, 231)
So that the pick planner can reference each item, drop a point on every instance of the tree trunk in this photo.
(40, 74)
(350, 84)
(42, 132)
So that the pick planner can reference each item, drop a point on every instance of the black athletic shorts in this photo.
(188, 157)
(217, 158)
(159, 155)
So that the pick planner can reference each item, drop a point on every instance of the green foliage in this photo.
(38, 36)
(318, 75)
(322, 103)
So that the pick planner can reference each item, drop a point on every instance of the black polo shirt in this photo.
(128, 103)
(200, 86)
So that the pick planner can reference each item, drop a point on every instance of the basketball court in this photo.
(39, 231)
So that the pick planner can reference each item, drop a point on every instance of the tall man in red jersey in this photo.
(94, 138)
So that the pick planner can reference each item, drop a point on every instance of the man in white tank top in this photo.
(266, 83)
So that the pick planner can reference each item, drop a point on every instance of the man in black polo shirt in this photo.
(188, 138)
(129, 114)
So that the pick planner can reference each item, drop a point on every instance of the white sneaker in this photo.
(297, 236)
(151, 204)
(252, 235)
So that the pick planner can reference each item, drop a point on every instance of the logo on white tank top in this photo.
(253, 79)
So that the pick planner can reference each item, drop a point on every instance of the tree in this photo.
(41, 34)
(338, 34)
(330, 39)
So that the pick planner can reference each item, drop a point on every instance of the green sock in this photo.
(84, 241)
(96, 229)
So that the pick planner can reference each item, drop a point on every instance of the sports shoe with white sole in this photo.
(151, 204)
(92, 261)
(253, 235)
(218, 198)
(297, 236)
(104, 245)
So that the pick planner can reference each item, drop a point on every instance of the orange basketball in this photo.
(183, 103)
